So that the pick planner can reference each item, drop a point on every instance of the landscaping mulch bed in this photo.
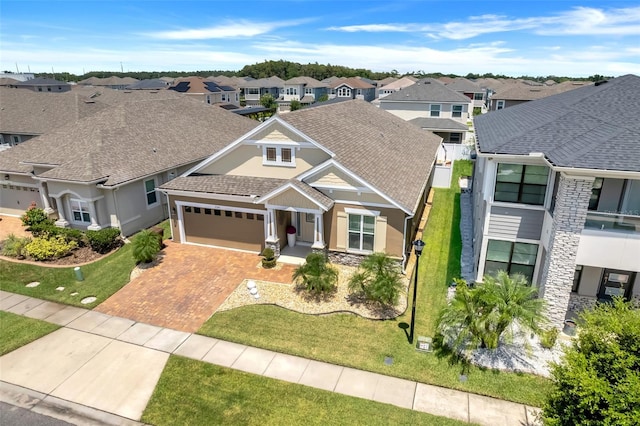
(291, 296)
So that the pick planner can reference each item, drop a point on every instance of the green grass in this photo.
(17, 331)
(356, 342)
(196, 393)
(101, 279)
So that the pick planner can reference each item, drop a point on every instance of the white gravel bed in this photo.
(524, 354)
(289, 296)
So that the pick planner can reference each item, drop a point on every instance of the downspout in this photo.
(170, 215)
(115, 205)
(405, 259)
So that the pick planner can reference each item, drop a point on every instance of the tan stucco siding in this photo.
(277, 131)
(292, 198)
(246, 160)
(333, 177)
(394, 229)
(363, 197)
(132, 209)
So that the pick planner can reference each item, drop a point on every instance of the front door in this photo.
(615, 283)
(305, 227)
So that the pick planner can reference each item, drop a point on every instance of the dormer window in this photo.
(278, 156)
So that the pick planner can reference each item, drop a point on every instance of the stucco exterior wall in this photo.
(246, 160)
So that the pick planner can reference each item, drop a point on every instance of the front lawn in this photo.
(101, 279)
(197, 393)
(17, 331)
(356, 342)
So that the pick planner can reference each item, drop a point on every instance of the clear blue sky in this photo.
(538, 38)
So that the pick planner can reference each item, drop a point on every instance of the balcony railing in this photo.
(612, 222)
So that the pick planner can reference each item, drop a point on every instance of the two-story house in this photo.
(471, 90)
(253, 90)
(334, 172)
(303, 89)
(556, 194)
(352, 88)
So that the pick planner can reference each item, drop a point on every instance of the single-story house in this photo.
(350, 178)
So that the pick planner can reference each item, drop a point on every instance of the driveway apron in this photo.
(188, 285)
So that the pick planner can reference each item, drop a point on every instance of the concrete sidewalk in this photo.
(107, 367)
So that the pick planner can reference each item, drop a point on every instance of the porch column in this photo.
(272, 235)
(94, 217)
(318, 231)
(44, 196)
(61, 222)
(569, 216)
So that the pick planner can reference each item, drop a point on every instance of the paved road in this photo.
(13, 416)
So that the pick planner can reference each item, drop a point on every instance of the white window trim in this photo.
(155, 186)
(84, 208)
(16, 139)
(431, 110)
(453, 111)
(362, 213)
(279, 161)
(500, 105)
(1, 140)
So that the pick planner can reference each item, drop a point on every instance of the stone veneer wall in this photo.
(569, 216)
(579, 303)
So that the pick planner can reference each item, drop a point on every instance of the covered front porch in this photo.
(295, 219)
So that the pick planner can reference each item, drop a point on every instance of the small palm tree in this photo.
(378, 278)
(316, 275)
(511, 299)
(482, 315)
(146, 246)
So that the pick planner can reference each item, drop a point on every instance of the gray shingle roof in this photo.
(461, 84)
(592, 127)
(316, 195)
(426, 90)
(308, 81)
(389, 153)
(438, 123)
(247, 186)
(130, 140)
(41, 81)
(354, 83)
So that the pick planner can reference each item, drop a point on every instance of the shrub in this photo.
(268, 258)
(378, 278)
(34, 216)
(316, 275)
(14, 246)
(104, 240)
(548, 338)
(48, 229)
(50, 248)
(145, 246)
(597, 379)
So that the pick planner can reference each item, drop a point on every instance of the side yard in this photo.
(365, 344)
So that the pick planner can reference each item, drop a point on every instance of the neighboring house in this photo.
(395, 86)
(352, 88)
(253, 90)
(303, 89)
(103, 170)
(471, 90)
(149, 84)
(206, 90)
(427, 98)
(556, 194)
(351, 179)
(520, 92)
(42, 84)
(451, 131)
(114, 82)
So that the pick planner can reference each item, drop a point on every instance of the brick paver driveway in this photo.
(188, 285)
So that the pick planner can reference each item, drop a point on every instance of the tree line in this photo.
(287, 70)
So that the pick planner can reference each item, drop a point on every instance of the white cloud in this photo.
(578, 21)
(229, 29)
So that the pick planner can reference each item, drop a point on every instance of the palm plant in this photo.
(316, 275)
(480, 316)
(378, 278)
(146, 246)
